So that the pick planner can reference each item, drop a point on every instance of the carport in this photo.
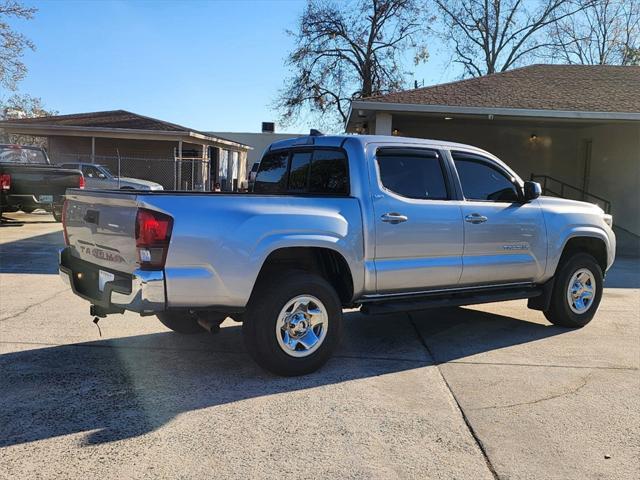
(575, 128)
(177, 157)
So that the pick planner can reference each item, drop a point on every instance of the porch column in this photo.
(93, 149)
(383, 123)
(242, 169)
(230, 170)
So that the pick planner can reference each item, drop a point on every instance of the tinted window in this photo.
(480, 181)
(17, 154)
(271, 176)
(413, 175)
(91, 172)
(328, 173)
(299, 171)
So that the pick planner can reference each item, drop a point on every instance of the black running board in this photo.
(451, 299)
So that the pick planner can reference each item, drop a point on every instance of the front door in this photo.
(504, 238)
(418, 230)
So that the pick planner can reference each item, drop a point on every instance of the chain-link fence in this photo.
(171, 173)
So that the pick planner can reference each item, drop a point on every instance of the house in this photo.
(138, 146)
(574, 128)
(258, 141)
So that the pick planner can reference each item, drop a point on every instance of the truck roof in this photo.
(338, 140)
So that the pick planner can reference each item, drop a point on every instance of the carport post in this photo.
(93, 149)
(179, 166)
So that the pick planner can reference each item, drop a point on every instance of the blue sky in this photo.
(209, 65)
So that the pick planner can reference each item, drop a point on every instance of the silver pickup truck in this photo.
(386, 224)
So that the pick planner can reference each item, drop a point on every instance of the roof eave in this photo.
(166, 135)
(511, 112)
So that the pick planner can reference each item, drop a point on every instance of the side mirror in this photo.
(532, 190)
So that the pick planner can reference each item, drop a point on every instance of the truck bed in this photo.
(219, 241)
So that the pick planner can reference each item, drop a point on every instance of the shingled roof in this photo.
(112, 121)
(107, 119)
(577, 88)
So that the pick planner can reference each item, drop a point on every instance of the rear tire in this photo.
(180, 322)
(577, 292)
(293, 323)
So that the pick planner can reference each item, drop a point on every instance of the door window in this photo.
(482, 181)
(412, 174)
(90, 171)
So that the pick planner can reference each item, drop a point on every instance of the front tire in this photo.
(577, 292)
(293, 323)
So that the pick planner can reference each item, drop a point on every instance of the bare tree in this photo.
(347, 50)
(491, 36)
(22, 106)
(12, 43)
(605, 32)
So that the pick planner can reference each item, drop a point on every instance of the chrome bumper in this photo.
(143, 293)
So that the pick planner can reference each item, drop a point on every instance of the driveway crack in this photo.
(571, 391)
(467, 422)
(33, 305)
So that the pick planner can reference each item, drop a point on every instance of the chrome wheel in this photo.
(581, 291)
(302, 326)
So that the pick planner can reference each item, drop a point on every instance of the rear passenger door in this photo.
(418, 228)
(504, 237)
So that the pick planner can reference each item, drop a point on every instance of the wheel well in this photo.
(325, 262)
(593, 246)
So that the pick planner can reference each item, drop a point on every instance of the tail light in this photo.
(153, 232)
(5, 181)
(64, 222)
(81, 182)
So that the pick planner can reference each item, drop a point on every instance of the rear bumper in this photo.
(142, 291)
(32, 201)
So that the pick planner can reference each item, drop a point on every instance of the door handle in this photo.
(394, 218)
(475, 218)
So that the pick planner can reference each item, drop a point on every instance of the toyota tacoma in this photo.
(384, 224)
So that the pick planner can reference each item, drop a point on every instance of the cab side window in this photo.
(481, 181)
(412, 173)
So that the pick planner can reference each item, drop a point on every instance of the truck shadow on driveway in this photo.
(37, 254)
(122, 388)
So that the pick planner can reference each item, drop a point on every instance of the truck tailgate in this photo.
(100, 227)
(41, 179)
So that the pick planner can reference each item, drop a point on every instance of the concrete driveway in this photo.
(464, 393)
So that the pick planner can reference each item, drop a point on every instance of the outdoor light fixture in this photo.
(533, 137)
(448, 118)
(395, 132)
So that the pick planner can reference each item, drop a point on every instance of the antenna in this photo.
(315, 133)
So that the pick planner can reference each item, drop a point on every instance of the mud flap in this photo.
(542, 302)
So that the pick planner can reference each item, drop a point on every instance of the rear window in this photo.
(303, 171)
(15, 154)
(328, 173)
(271, 177)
